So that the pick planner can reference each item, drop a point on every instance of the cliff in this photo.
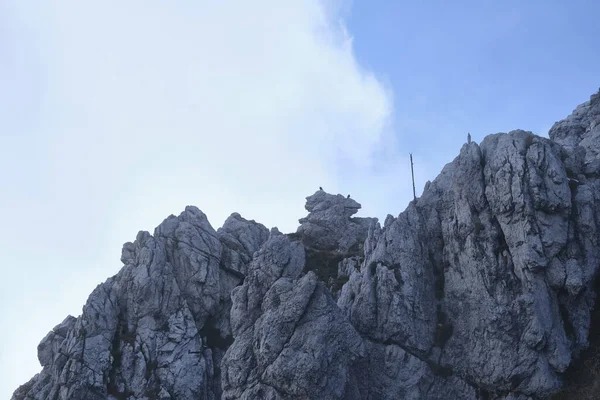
(483, 288)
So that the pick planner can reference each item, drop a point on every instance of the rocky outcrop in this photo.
(481, 289)
(333, 240)
(158, 329)
(330, 226)
(291, 339)
(458, 280)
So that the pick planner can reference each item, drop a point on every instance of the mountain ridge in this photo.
(481, 289)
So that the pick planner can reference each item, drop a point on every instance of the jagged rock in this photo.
(581, 129)
(241, 239)
(481, 289)
(291, 340)
(153, 329)
(329, 225)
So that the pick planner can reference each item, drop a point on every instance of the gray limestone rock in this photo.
(154, 329)
(241, 239)
(330, 226)
(481, 289)
(290, 338)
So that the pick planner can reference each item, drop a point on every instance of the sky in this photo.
(116, 114)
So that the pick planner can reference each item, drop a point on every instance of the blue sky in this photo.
(115, 114)
(478, 66)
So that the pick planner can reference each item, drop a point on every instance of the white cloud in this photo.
(144, 107)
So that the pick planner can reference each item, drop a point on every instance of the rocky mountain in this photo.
(483, 288)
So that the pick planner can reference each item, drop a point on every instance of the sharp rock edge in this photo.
(481, 289)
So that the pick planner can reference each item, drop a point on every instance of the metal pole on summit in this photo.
(412, 171)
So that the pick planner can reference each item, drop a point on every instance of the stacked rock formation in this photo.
(481, 289)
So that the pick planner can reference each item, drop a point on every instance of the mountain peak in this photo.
(483, 288)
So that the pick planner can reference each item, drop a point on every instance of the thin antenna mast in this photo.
(412, 171)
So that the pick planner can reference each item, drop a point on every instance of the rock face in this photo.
(160, 327)
(291, 339)
(329, 225)
(481, 289)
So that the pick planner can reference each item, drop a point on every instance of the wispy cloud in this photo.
(143, 107)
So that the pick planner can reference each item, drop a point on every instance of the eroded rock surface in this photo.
(292, 341)
(158, 329)
(481, 289)
(330, 226)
